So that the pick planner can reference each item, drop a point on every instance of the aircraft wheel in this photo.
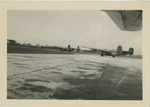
(113, 56)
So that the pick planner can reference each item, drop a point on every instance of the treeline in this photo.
(38, 46)
(13, 42)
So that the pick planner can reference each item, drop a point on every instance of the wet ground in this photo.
(89, 77)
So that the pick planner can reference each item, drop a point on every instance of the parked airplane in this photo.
(69, 49)
(118, 52)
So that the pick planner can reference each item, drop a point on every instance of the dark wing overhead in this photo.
(127, 20)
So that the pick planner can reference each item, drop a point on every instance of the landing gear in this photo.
(113, 56)
(102, 54)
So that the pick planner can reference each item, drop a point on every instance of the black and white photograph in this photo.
(74, 54)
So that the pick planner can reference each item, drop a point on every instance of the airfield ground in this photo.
(88, 77)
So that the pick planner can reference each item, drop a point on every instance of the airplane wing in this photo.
(126, 20)
(91, 48)
(94, 49)
(102, 52)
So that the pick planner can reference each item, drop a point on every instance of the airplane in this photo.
(118, 52)
(126, 20)
(69, 49)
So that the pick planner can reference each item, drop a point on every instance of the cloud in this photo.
(87, 28)
(105, 35)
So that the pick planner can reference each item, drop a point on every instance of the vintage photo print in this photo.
(74, 53)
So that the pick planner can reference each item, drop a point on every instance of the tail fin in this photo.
(78, 49)
(131, 51)
(119, 49)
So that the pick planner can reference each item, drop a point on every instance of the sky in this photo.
(91, 28)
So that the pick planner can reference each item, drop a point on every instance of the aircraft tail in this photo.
(131, 51)
(119, 50)
(78, 48)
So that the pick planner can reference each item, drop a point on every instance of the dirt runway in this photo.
(86, 77)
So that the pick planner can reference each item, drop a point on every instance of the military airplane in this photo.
(69, 49)
(112, 53)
